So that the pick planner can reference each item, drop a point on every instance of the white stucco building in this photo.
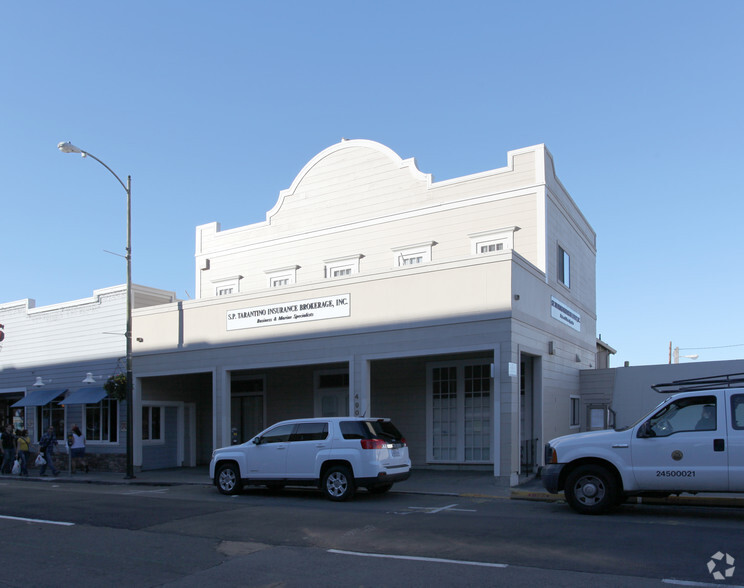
(462, 309)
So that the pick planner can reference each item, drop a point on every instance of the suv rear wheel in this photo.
(338, 483)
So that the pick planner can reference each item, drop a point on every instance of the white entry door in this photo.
(460, 409)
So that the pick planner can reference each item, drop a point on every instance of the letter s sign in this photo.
(2, 334)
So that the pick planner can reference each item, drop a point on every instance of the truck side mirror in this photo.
(645, 431)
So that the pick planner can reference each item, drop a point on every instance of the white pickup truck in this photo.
(692, 442)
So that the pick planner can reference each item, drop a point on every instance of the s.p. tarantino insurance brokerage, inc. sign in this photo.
(314, 309)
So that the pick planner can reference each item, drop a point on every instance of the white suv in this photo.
(338, 455)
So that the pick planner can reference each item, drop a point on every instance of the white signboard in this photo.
(301, 311)
(565, 314)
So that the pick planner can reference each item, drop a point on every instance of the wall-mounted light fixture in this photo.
(551, 348)
(41, 382)
(91, 379)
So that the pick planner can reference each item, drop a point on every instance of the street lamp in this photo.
(677, 355)
(67, 147)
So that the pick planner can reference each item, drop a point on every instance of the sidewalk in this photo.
(435, 482)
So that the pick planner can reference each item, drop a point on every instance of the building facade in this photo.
(462, 309)
(47, 352)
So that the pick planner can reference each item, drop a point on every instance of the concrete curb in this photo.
(684, 500)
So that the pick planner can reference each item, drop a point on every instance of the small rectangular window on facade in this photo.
(341, 267)
(413, 254)
(282, 276)
(575, 419)
(226, 286)
(493, 241)
(490, 247)
(564, 267)
(152, 429)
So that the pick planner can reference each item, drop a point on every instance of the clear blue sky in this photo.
(214, 107)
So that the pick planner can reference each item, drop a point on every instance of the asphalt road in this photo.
(98, 535)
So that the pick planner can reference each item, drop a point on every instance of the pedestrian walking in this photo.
(77, 449)
(8, 444)
(23, 446)
(46, 447)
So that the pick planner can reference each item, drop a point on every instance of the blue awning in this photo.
(85, 396)
(39, 398)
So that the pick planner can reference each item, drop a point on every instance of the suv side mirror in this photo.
(256, 440)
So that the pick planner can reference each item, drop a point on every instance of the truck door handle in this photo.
(719, 444)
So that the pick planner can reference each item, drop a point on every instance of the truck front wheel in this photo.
(591, 489)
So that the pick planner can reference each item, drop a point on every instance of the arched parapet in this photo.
(346, 165)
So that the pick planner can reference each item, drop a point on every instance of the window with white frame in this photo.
(564, 267)
(282, 276)
(413, 254)
(493, 241)
(51, 414)
(152, 423)
(575, 418)
(342, 267)
(102, 421)
(226, 286)
(459, 411)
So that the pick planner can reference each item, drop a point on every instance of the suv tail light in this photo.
(373, 444)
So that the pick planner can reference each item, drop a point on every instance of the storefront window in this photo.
(52, 414)
(101, 421)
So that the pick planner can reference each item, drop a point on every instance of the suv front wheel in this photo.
(338, 483)
(228, 479)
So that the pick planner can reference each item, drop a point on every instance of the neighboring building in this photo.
(462, 309)
(628, 393)
(47, 352)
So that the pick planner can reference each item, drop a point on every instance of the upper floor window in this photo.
(493, 241)
(282, 276)
(341, 267)
(413, 254)
(226, 286)
(564, 267)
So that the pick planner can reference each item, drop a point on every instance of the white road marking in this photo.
(424, 559)
(42, 521)
(432, 510)
(161, 491)
(688, 583)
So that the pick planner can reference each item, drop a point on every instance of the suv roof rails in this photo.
(704, 383)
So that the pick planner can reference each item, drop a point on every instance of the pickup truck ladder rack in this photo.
(705, 383)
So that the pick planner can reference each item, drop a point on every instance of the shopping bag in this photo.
(40, 461)
(16, 468)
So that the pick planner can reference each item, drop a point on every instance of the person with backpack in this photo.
(46, 448)
(23, 446)
(8, 443)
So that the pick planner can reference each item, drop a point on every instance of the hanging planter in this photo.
(116, 387)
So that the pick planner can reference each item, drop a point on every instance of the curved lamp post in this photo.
(67, 147)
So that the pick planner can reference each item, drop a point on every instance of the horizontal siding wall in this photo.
(361, 199)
